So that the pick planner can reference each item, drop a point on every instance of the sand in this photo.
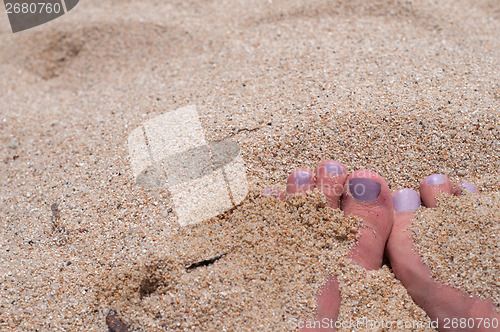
(459, 242)
(405, 88)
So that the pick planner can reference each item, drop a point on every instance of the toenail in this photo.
(435, 179)
(363, 189)
(334, 168)
(406, 200)
(469, 186)
(271, 192)
(302, 177)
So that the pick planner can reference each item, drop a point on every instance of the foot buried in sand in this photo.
(364, 194)
(440, 302)
(387, 218)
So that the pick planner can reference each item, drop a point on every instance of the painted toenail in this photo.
(363, 189)
(334, 168)
(435, 179)
(469, 186)
(406, 200)
(302, 177)
(270, 192)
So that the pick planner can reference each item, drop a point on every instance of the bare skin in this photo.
(375, 207)
(365, 194)
(439, 301)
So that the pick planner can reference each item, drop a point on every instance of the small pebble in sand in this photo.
(14, 144)
(114, 322)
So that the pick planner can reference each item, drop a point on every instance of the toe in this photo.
(300, 181)
(432, 186)
(330, 178)
(406, 200)
(406, 265)
(367, 196)
(466, 187)
(274, 192)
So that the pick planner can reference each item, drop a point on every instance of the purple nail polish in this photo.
(406, 200)
(435, 179)
(302, 177)
(469, 186)
(334, 168)
(272, 191)
(363, 189)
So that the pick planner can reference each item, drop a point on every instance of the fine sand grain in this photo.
(258, 268)
(405, 88)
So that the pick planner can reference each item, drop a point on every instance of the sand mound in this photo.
(260, 266)
(459, 242)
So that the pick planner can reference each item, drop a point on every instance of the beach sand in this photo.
(404, 88)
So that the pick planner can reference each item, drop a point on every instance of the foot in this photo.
(440, 302)
(364, 194)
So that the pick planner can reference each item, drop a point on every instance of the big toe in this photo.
(366, 195)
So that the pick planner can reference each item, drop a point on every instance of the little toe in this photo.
(432, 186)
(274, 192)
(466, 187)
